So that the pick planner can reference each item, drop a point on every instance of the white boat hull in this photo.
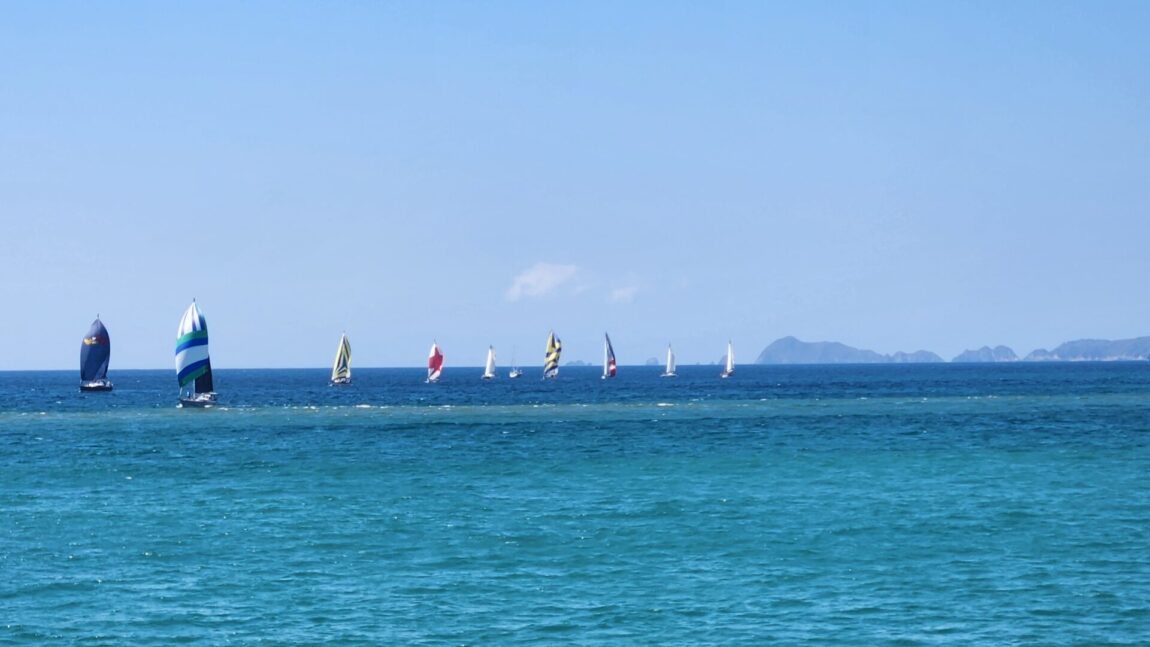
(199, 401)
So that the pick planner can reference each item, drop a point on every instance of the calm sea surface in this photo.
(906, 505)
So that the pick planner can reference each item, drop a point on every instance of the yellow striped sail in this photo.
(551, 359)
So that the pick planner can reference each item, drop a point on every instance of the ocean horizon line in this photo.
(529, 368)
(477, 367)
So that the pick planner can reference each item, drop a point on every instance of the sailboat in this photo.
(551, 359)
(341, 367)
(515, 370)
(489, 365)
(670, 370)
(729, 370)
(95, 350)
(193, 366)
(608, 358)
(434, 364)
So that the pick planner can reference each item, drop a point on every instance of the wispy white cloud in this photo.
(539, 280)
(626, 287)
(625, 294)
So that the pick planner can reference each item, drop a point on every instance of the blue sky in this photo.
(895, 176)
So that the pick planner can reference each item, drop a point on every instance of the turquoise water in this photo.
(836, 505)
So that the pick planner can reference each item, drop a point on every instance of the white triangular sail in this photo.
(341, 367)
(670, 370)
(730, 367)
(489, 366)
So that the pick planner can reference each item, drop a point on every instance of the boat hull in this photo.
(95, 386)
(199, 401)
(341, 381)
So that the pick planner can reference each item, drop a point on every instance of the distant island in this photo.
(987, 354)
(1095, 350)
(789, 350)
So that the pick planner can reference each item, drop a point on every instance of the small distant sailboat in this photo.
(95, 351)
(670, 370)
(434, 364)
(193, 366)
(608, 358)
(729, 370)
(551, 358)
(515, 370)
(489, 365)
(341, 367)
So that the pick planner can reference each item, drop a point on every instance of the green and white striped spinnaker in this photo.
(192, 362)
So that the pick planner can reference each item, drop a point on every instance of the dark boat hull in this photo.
(96, 386)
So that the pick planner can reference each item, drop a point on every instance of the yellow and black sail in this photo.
(551, 359)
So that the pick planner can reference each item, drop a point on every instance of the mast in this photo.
(514, 372)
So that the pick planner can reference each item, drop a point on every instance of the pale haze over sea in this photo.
(892, 176)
